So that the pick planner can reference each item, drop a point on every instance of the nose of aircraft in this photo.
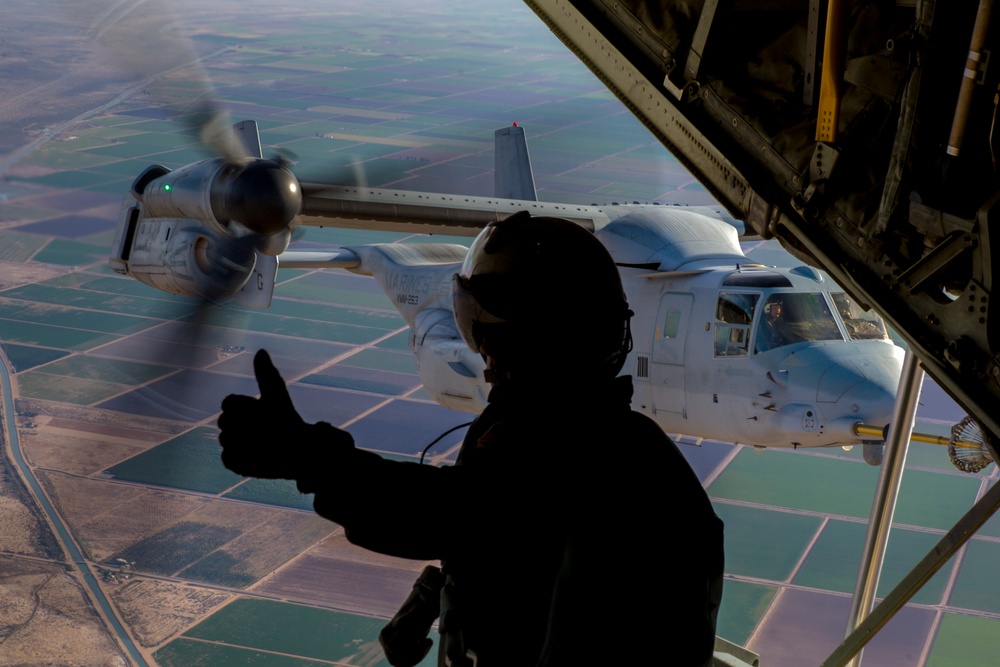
(845, 383)
(862, 380)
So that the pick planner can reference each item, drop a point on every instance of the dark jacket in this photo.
(575, 531)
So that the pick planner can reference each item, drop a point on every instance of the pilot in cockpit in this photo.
(773, 331)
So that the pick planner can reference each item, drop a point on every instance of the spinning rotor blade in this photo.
(213, 127)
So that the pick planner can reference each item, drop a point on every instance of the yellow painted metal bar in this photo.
(832, 72)
(865, 429)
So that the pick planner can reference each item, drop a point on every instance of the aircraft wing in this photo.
(858, 134)
(412, 212)
(426, 212)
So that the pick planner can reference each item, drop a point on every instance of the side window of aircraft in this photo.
(671, 323)
(795, 317)
(733, 317)
(860, 324)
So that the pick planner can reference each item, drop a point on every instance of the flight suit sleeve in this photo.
(396, 508)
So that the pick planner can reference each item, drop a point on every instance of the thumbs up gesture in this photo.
(265, 437)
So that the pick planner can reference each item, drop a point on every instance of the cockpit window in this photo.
(733, 317)
(860, 324)
(795, 317)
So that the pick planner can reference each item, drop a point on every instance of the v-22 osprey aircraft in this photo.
(724, 348)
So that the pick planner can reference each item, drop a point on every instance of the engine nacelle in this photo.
(181, 256)
(183, 194)
(450, 371)
(261, 196)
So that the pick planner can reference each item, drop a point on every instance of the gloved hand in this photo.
(265, 437)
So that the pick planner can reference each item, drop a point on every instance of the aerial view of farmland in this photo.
(120, 530)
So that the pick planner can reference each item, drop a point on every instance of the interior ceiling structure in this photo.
(858, 134)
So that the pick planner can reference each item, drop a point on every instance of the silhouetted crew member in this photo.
(571, 531)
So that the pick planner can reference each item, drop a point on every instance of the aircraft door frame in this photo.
(667, 370)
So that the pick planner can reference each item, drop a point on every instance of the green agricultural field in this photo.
(933, 457)
(382, 360)
(175, 158)
(148, 305)
(743, 605)
(354, 383)
(102, 239)
(189, 653)
(24, 214)
(295, 630)
(798, 481)
(50, 336)
(292, 326)
(834, 486)
(62, 160)
(260, 550)
(833, 562)
(992, 527)
(148, 142)
(122, 151)
(421, 395)
(578, 178)
(118, 371)
(72, 253)
(379, 319)
(764, 543)
(600, 142)
(110, 127)
(26, 357)
(954, 493)
(79, 180)
(18, 246)
(189, 461)
(399, 342)
(66, 280)
(35, 384)
(127, 287)
(176, 547)
(69, 317)
(977, 586)
(220, 569)
(382, 144)
(123, 170)
(79, 143)
(387, 169)
(976, 640)
(280, 492)
(629, 192)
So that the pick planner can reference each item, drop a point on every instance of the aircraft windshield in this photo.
(795, 317)
(860, 324)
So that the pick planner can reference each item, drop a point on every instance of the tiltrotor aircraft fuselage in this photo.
(724, 348)
(710, 357)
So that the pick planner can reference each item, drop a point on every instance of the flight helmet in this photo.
(542, 295)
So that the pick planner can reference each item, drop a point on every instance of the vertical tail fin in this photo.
(249, 137)
(512, 167)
